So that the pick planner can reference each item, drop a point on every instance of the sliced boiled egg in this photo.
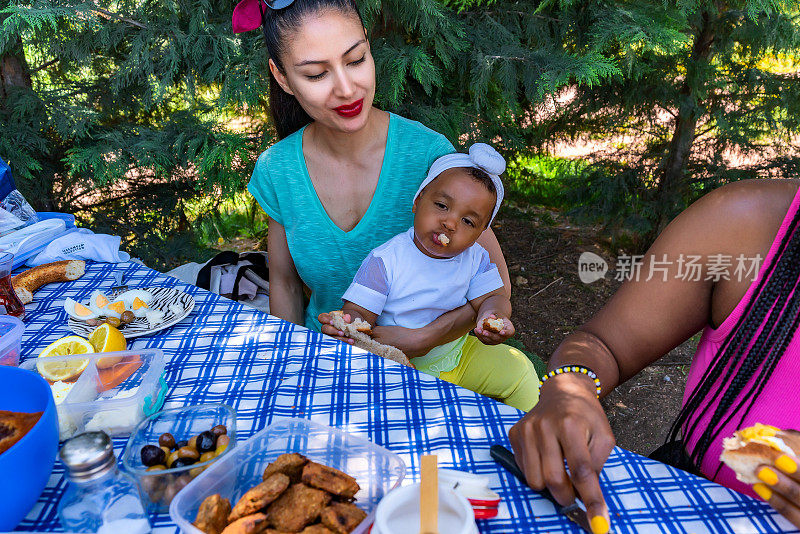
(139, 308)
(130, 297)
(114, 309)
(76, 310)
(98, 302)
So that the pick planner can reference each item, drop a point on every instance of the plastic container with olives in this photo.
(170, 448)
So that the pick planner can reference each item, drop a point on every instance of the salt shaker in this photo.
(99, 497)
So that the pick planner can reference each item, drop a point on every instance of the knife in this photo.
(574, 511)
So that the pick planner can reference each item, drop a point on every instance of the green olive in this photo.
(188, 452)
(222, 444)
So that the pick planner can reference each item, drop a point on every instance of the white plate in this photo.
(163, 299)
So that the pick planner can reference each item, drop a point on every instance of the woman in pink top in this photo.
(747, 365)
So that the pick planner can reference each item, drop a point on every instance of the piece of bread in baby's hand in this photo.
(494, 325)
(361, 333)
(759, 444)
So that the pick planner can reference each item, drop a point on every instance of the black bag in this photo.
(227, 272)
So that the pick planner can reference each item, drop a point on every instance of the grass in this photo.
(540, 178)
(216, 222)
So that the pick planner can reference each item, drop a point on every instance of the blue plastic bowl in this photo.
(26, 466)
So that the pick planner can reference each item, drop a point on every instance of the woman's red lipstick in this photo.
(350, 110)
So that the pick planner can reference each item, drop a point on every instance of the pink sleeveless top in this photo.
(779, 402)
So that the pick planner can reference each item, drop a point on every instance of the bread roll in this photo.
(494, 325)
(756, 445)
(361, 331)
(26, 282)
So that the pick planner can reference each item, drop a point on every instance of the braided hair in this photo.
(747, 352)
(278, 26)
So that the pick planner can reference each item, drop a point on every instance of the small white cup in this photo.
(398, 512)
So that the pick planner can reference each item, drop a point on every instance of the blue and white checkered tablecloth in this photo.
(267, 368)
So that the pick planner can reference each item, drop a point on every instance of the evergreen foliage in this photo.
(124, 111)
(130, 107)
(699, 82)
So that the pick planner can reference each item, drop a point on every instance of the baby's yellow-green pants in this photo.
(497, 371)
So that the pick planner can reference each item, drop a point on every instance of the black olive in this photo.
(167, 440)
(206, 441)
(181, 462)
(181, 443)
(152, 455)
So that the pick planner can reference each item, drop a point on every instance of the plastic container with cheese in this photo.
(113, 396)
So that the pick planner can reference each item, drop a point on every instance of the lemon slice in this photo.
(64, 370)
(106, 338)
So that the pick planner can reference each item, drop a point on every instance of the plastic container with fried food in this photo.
(376, 469)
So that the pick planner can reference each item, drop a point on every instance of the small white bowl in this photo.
(398, 512)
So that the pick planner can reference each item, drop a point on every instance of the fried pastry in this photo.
(330, 479)
(259, 497)
(317, 529)
(212, 517)
(251, 524)
(342, 517)
(297, 507)
(290, 465)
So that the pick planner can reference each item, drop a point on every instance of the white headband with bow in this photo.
(481, 156)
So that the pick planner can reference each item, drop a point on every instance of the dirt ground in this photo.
(542, 250)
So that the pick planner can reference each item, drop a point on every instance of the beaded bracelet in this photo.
(572, 369)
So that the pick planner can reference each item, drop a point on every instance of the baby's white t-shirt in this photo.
(405, 287)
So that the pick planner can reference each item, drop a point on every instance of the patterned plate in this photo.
(175, 304)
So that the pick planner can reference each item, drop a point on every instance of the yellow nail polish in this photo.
(599, 524)
(786, 464)
(762, 491)
(768, 475)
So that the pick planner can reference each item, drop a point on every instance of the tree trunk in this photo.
(14, 70)
(671, 188)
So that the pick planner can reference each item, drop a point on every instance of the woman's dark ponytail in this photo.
(288, 115)
(278, 25)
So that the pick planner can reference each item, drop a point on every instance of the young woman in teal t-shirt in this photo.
(342, 178)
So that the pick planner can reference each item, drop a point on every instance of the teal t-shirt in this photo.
(327, 257)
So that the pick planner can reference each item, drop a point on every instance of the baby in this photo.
(437, 266)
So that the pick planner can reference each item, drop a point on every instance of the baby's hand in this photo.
(326, 320)
(493, 330)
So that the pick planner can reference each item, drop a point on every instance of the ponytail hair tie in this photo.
(247, 13)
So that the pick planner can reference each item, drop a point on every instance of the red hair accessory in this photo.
(247, 13)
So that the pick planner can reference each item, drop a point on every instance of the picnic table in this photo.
(267, 368)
